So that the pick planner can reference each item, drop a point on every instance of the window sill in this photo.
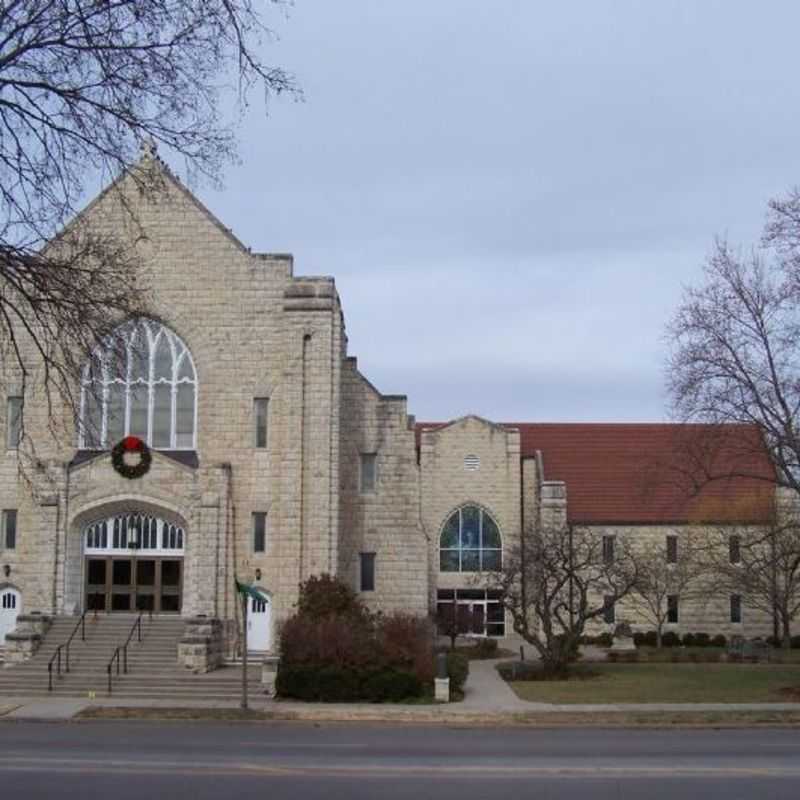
(186, 457)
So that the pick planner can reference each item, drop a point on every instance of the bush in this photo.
(628, 657)
(670, 639)
(334, 650)
(688, 640)
(298, 681)
(795, 640)
(604, 640)
(324, 596)
(392, 685)
(702, 640)
(457, 670)
(486, 648)
(651, 638)
(719, 641)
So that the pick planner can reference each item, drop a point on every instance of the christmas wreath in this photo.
(131, 445)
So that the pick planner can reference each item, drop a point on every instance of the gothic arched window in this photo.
(143, 383)
(470, 542)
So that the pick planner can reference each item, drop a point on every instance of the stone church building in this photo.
(274, 458)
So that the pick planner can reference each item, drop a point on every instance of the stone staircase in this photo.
(153, 669)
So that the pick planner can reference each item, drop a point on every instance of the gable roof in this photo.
(652, 473)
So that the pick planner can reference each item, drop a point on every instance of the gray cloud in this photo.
(511, 195)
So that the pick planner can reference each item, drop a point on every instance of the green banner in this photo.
(255, 593)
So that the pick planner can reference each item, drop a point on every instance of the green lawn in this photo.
(667, 683)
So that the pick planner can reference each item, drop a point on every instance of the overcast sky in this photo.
(511, 194)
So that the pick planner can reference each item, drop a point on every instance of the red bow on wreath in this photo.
(132, 444)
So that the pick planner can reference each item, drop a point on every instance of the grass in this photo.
(569, 719)
(667, 683)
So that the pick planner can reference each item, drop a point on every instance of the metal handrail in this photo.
(81, 623)
(123, 650)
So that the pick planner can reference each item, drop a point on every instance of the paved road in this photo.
(289, 760)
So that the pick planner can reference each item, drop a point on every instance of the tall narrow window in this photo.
(736, 608)
(609, 615)
(672, 549)
(13, 422)
(367, 572)
(259, 531)
(608, 549)
(672, 609)
(368, 472)
(10, 528)
(735, 550)
(260, 408)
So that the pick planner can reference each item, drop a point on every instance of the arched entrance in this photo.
(259, 624)
(10, 607)
(133, 562)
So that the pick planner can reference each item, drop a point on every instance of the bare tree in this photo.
(666, 572)
(735, 355)
(84, 84)
(556, 581)
(452, 622)
(761, 565)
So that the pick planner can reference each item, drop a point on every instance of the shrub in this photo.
(391, 684)
(457, 670)
(719, 641)
(324, 596)
(795, 640)
(670, 639)
(406, 642)
(334, 650)
(702, 640)
(333, 640)
(688, 640)
(640, 638)
(486, 648)
(604, 640)
(628, 657)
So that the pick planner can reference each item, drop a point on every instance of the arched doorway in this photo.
(10, 607)
(259, 624)
(133, 562)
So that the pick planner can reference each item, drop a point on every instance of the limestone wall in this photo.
(384, 521)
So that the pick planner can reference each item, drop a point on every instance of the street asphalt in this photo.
(301, 760)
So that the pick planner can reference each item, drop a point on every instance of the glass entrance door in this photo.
(134, 584)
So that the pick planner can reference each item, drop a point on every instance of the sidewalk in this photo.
(487, 700)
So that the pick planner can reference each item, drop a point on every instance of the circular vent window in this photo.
(472, 463)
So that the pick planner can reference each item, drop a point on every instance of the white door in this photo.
(259, 619)
(10, 602)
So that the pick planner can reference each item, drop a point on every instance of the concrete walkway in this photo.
(485, 690)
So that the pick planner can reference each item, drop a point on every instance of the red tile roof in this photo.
(652, 473)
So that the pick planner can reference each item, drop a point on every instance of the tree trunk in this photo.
(658, 636)
(786, 641)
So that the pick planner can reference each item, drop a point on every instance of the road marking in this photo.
(143, 767)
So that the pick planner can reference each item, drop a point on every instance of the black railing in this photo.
(121, 653)
(79, 625)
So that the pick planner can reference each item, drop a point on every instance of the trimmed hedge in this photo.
(327, 683)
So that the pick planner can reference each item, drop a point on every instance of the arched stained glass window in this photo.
(143, 383)
(470, 542)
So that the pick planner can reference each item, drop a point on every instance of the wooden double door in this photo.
(121, 584)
